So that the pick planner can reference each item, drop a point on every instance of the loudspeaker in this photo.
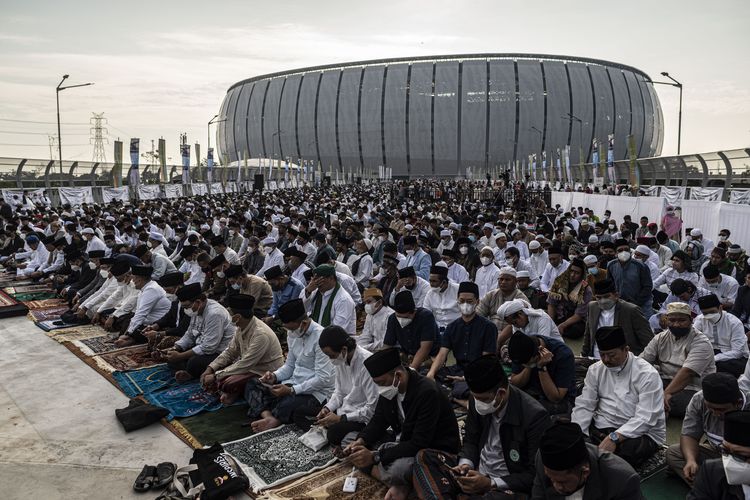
(327, 181)
(259, 183)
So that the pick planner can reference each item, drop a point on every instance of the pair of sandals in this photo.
(154, 477)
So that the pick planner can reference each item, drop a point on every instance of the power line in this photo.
(37, 133)
(41, 145)
(32, 121)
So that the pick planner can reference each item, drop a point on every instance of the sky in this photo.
(162, 68)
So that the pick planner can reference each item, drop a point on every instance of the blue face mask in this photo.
(593, 270)
(472, 239)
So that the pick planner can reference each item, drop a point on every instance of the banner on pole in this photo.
(210, 165)
(134, 176)
(611, 158)
(635, 174)
(185, 154)
(117, 167)
(198, 156)
(163, 175)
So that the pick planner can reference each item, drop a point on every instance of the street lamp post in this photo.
(679, 118)
(210, 122)
(57, 98)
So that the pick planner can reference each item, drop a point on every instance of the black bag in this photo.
(139, 414)
(212, 475)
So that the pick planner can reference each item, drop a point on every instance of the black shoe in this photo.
(164, 474)
(145, 479)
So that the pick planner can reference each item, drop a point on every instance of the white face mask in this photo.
(389, 392)
(190, 312)
(268, 250)
(75, 268)
(572, 257)
(435, 289)
(219, 274)
(171, 297)
(404, 322)
(92, 266)
(486, 261)
(410, 252)
(464, 250)
(339, 361)
(611, 227)
(149, 244)
(296, 333)
(467, 309)
(370, 308)
(624, 256)
(712, 317)
(104, 274)
(236, 286)
(737, 472)
(484, 408)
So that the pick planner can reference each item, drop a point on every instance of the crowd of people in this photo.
(376, 312)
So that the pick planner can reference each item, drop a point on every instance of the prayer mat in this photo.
(97, 345)
(71, 334)
(184, 400)
(220, 426)
(275, 456)
(49, 325)
(129, 358)
(145, 380)
(44, 304)
(10, 307)
(47, 314)
(30, 288)
(33, 296)
(655, 464)
(664, 487)
(328, 484)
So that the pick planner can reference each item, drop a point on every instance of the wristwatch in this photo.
(291, 388)
(542, 368)
(376, 457)
(614, 437)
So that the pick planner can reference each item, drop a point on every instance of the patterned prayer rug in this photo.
(50, 325)
(129, 358)
(30, 296)
(44, 304)
(97, 345)
(31, 288)
(10, 307)
(654, 465)
(71, 334)
(145, 380)
(273, 457)
(184, 400)
(328, 484)
(53, 313)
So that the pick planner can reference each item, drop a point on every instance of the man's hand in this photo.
(268, 378)
(545, 357)
(663, 321)
(474, 483)
(461, 470)
(110, 321)
(667, 400)
(690, 470)
(561, 328)
(76, 299)
(208, 378)
(268, 320)
(607, 445)
(329, 420)
(322, 413)
(281, 390)
(174, 356)
(361, 457)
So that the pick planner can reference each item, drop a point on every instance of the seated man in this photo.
(246, 284)
(705, 416)
(326, 301)
(418, 413)
(679, 291)
(304, 382)
(413, 329)
(150, 305)
(725, 287)
(621, 407)
(190, 267)
(545, 369)
(568, 300)
(376, 321)
(609, 310)
(159, 262)
(209, 333)
(284, 288)
(567, 467)
(355, 395)
(506, 291)
(503, 430)
(521, 318)
(531, 292)
(408, 280)
(37, 259)
(253, 351)
(442, 298)
(727, 478)
(175, 322)
(682, 355)
(468, 338)
(726, 334)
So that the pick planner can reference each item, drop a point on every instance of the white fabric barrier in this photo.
(111, 194)
(36, 196)
(741, 196)
(76, 196)
(672, 194)
(217, 188)
(148, 191)
(199, 189)
(173, 190)
(709, 216)
(706, 194)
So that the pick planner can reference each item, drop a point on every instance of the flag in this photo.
(134, 175)
(117, 167)
(559, 166)
(198, 158)
(163, 161)
(567, 165)
(595, 157)
(185, 153)
(210, 165)
(611, 158)
(544, 165)
(635, 173)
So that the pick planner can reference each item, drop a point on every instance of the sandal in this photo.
(164, 474)
(145, 479)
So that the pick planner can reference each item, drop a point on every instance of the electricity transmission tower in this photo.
(97, 137)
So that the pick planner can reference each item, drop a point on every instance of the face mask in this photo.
(679, 331)
(104, 274)
(435, 289)
(593, 271)
(370, 308)
(404, 322)
(712, 317)
(148, 244)
(190, 313)
(623, 256)
(472, 238)
(172, 297)
(737, 472)
(611, 227)
(75, 268)
(268, 250)
(722, 238)
(220, 274)
(484, 408)
(236, 286)
(340, 360)
(572, 257)
(464, 250)
(613, 369)
(486, 261)
(466, 309)
(389, 392)
(606, 304)
(410, 252)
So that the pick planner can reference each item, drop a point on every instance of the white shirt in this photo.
(523, 249)
(538, 263)
(551, 273)
(364, 271)
(606, 318)
(444, 305)
(37, 260)
(486, 279)
(119, 297)
(631, 400)
(196, 273)
(669, 275)
(108, 287)
(151, 305)
(355, 394)
(726, 289)
(348, 284)
(95, 244)
(275, 258)
(342, 310)
(419, 292)
(307, 367)
(726, 335)
(373, 331)
(539, 324)
(457, 273)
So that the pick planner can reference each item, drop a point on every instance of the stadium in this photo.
(441, 115)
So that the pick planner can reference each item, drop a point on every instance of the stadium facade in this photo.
(439, 115)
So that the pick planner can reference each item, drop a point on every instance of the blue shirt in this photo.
(562, 369)
(633, 282)
(423, 328)
(468, 341)
(291, 291)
